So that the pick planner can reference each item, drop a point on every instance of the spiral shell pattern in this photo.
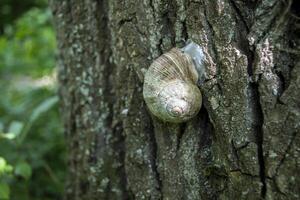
(170, 89)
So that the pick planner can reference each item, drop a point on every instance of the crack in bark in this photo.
(242, 146)
(206, 133)
(240, 164)
(213, 46)
(244, 173)
(184, 31)
(153, 160)
(168, 21)
(159, 44)
(119, 148)
(182, 128)
(211, 29)
(277, 188)
(259, 121)
(235, 153)
(256, 109)
(152, 6)
(117, 145)
(127, 20)
(282, 86)
(239, 14)
(71, 127)
(259, 138)
(285, 153)
(159, 48)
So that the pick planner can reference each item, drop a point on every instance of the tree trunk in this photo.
(243, 144)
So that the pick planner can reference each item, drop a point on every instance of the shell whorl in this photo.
(170, 89)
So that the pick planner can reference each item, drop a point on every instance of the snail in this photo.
(170, 84)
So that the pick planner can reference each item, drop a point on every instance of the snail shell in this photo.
(170, 87)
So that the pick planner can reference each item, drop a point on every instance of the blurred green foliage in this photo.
(13, 9)
(32, 149)
(27, 46)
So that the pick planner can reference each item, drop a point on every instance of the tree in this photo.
(243, 144)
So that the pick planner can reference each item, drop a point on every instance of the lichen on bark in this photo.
(244, 142)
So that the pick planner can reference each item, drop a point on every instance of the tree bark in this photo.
(243, 144)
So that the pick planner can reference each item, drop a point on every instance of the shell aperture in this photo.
(170, 89)
(197, 55)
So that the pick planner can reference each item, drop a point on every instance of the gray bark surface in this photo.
(244, 143)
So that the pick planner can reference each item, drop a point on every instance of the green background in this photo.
(32, 149)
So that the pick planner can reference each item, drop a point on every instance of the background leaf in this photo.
(23, 169)
(43, 107)
(4, 191)
(4, 167)
(15, 128)
(30, 125)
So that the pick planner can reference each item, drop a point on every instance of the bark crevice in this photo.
(289, 146)
(258, 131)
(154, 160)
(239, 14)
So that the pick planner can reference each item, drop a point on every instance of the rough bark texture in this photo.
(244, 143)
